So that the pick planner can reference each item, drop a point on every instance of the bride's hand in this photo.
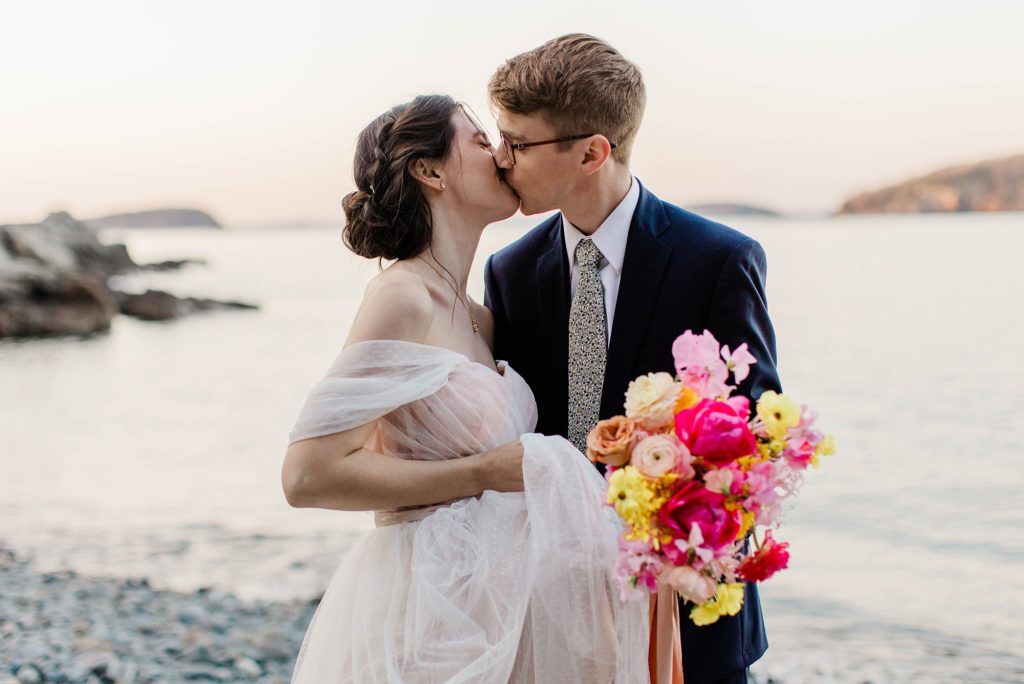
(501, 469)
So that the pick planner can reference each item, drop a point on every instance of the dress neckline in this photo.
(502, 365)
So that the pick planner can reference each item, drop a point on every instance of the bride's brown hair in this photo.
(388, 217)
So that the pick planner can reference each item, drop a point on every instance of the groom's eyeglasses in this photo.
(511, 147)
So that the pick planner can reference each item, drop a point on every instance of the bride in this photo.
(493, 558)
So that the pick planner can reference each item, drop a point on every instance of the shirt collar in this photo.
(610, 237)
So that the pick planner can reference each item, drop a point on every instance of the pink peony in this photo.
(765, 562)
(660, 454)
(717, 431)
(694, 504)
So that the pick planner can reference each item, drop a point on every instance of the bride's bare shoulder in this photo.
(396, 306)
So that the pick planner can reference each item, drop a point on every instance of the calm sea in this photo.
(156, 449)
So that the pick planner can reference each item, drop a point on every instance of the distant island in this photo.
(156, 218)
(731, 209)
(993, 185)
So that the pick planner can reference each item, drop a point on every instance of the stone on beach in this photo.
(64, 627)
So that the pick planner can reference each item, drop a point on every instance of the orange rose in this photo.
(610, 440)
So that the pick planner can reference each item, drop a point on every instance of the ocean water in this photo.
(155, 450)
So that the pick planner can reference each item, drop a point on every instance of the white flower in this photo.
(651, 400)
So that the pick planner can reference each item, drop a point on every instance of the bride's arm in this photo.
(327, 472)
(336, 472)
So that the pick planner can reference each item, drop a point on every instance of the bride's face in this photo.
(473, 179)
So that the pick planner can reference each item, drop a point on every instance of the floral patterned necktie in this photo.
(588, 345)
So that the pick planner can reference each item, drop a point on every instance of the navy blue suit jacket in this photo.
(680, 272)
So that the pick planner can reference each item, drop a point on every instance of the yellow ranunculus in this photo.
(729, 598)
(826, 447)
(704, 614)
(635, 498)
(778, 412)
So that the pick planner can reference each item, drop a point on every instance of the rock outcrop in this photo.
(994, 185)
(54, 281)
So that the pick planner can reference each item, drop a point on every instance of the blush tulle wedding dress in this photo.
(504, 587)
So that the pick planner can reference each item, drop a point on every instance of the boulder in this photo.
(57, 304)
(54, 281)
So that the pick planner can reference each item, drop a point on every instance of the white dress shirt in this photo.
(610, 237)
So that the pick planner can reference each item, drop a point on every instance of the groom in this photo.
(595, 295)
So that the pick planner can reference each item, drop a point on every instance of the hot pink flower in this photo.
(695, 504)
(768, 560)
(717, 431)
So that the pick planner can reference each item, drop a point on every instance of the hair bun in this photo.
(392, 219)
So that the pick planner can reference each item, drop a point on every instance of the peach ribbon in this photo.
(665, 653)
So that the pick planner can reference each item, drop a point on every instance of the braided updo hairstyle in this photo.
(388, 217)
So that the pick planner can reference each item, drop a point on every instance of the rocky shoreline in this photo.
(54, 281)
(66, 628)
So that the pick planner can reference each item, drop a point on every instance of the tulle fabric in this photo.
(505, 587)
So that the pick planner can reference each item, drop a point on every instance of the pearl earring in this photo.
(443, 186)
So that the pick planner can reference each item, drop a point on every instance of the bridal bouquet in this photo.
(691, 476)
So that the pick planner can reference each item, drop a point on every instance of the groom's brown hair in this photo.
(580, 84)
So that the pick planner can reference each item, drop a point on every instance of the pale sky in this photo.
(250, 109)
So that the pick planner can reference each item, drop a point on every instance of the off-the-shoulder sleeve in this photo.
(369, 380)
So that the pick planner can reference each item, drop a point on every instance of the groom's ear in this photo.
(426, 172)
(596, 154)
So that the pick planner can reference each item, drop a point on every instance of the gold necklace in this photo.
(476, 328)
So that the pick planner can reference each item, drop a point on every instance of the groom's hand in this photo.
(501, 469)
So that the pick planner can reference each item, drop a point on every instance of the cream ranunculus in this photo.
(659, 454)
(651, 400)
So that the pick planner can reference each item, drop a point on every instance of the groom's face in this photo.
(542, 176)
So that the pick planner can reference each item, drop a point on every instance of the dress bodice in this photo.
(474, 411)
(429, 402)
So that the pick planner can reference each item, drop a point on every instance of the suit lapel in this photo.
(554, 299)
(643, 269)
